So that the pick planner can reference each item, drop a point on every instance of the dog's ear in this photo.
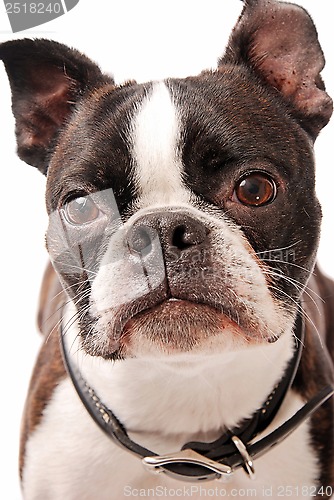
(279, 42)
(47, 79)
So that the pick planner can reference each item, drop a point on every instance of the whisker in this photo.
(279, 249)
(298, 285)
(302, 311)
(287, 263)
(79, 268)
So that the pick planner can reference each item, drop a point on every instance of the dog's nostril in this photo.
(141, 240)
(188, 235)
(180, 238)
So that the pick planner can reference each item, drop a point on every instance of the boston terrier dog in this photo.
(188, 333)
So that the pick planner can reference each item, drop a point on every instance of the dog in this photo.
(188, 342)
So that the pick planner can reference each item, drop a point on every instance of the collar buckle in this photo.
(248, 462)
(187, 457)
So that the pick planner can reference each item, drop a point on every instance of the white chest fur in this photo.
(69, 457)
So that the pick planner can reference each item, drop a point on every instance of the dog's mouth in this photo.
(177, 325)
(172, 325)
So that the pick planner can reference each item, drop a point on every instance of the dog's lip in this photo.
(179, 303)
(124, 316)
(142, 307)
(166, 301)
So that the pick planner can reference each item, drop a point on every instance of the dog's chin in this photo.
(181, 326)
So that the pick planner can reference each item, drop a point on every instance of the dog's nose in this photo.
(175, 230)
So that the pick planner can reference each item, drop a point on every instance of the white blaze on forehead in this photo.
(156, 137)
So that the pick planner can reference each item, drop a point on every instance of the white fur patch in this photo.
(155, 138)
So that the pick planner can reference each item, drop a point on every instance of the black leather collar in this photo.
(234, 449)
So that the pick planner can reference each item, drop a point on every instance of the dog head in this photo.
(183, 213)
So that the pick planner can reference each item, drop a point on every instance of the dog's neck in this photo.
(190, 396)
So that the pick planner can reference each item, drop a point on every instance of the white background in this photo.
(141, 39)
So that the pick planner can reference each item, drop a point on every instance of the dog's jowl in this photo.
(182, 308)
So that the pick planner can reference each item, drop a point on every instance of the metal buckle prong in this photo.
(188, 456)
(248, 462)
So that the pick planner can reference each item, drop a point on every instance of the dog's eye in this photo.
(81, 211)
(256, 189)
